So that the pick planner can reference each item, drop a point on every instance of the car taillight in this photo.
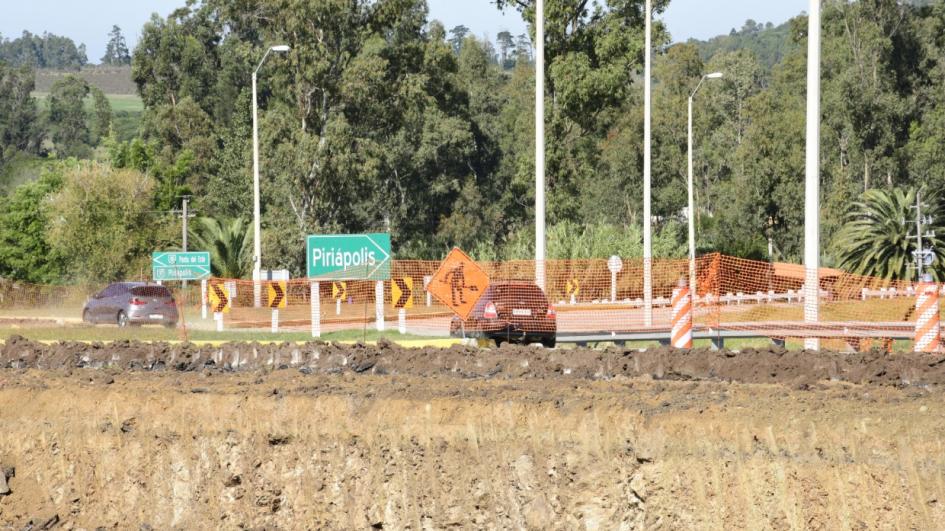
(551, 312)
(490, 312)
(137, 302)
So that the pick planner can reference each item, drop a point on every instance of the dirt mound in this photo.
(135, 449)
(770, 366)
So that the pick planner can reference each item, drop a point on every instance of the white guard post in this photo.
(275, 320)
(379, 304)
(203, 299)
(218, 317)
(426, 284)
(316, 310)
(402, 321)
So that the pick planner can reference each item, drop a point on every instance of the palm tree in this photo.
(229, 243)
(878, 238)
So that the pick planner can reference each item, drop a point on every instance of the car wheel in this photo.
(85, 317)
(122, 320)
(548, 342)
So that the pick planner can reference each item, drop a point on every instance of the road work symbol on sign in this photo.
(219, 300)
(339, 291)
(277, 298)
(401, 292)
(459, 283)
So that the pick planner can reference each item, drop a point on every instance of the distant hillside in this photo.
(770, 43)
(108, 79)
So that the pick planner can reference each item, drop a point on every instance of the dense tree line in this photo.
(380, 119)
(43, 51)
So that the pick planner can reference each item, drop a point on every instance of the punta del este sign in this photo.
(349, 256)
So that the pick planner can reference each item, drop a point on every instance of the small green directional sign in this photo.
(349, 256)
(180, 266)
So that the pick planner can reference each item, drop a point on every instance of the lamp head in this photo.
(280, 48)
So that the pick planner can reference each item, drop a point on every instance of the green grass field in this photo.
(113, 333)
(120, 102)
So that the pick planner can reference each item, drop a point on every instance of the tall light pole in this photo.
(812, 177)
(540, 143)
(257, 242)
(692, 205)
(647, 147)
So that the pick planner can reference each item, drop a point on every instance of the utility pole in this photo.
(923, 257)
(185, 215)
(647, 193)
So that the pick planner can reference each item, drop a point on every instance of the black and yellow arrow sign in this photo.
(277, 298)
(339, 291)
(572, 287)
(219, 301)
(401, 292)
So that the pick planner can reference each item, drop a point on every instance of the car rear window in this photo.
(528, 294)
(150, 291)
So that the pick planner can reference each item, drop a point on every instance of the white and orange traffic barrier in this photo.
(928, 331)
(682, 317)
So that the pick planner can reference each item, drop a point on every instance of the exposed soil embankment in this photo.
(132, 436)
(771, 365)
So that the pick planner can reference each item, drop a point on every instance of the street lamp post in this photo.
(257, 242)
(540, 143)
(691, 210)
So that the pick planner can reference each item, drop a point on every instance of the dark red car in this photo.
(514, 312)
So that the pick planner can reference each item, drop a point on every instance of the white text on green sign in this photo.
(180, 266)
(349, 256)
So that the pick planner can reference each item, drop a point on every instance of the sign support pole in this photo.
(402, 321)
(316, 310)
(203, 299)
(379, 304)
(275, 320)
(218, 317)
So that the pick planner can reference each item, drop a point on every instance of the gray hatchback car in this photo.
(132, 303)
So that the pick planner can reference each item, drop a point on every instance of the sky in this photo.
(89, 21)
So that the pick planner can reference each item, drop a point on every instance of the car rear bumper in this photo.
(162, 318)
(505, 332)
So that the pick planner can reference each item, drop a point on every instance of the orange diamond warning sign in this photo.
(458, 283)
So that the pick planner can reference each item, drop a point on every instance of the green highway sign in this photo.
(349, 256)
(180, 266)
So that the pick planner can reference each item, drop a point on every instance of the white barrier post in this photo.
(379, 304)
(928, 331)
(275, 320)
(203, 299)
(316, 310)
(682, 317)
(337, 306)
(218, 317)
(426, 284)
(402, 321)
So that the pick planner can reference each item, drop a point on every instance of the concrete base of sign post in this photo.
(379, 305)
(275, 321)
(316, 310)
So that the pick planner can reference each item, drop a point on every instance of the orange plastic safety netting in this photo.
(585, 296)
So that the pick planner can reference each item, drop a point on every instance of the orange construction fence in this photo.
(588, 296)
